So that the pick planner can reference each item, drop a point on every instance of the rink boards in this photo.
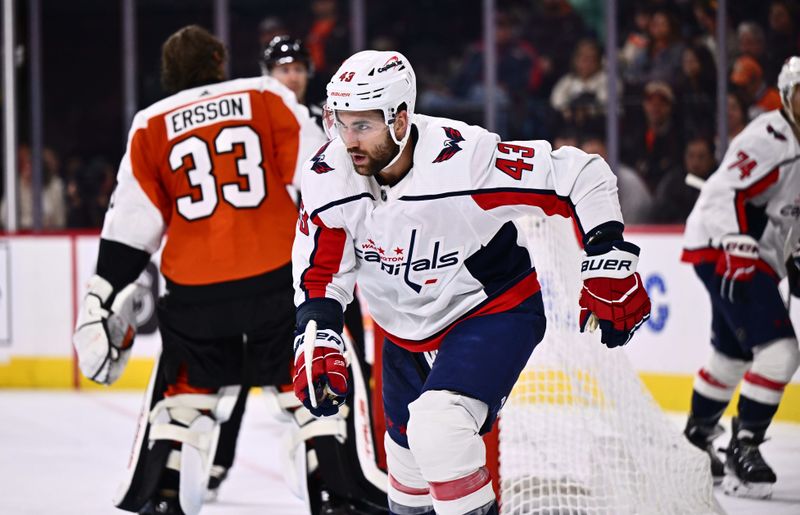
(42, 277)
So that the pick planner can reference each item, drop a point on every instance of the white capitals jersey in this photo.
(440, 245)
(755, 191)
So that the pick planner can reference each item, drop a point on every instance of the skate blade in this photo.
(735, 487)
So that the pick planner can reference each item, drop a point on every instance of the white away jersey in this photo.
(755, 191)
(441, 245)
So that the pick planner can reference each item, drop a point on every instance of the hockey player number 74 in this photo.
(514, 167)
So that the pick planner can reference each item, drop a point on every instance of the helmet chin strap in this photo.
(400, 143)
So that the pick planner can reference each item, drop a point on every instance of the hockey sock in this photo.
(705, 411)
(755, 416)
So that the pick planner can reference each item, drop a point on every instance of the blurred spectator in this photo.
(748, 78)
(566, 136)
(737, 114)
(696, 90)
(673, 199)
(656, 150)
(53, 209)
(750, 41)
(634, 197)
(783, 37)
(705, 13)
(268, 29)
(519, 76)
(553, 29)
(328, 43)
(637, 39)
(661, 59)
(89, 192)
(587, 77)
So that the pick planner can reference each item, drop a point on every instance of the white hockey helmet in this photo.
(372, 80)
(788, 79)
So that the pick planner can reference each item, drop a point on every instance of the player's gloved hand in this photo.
(104, 334)
(736, 266)
(328, 372)
(613, 296)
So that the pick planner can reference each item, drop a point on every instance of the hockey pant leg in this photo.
(178, 432)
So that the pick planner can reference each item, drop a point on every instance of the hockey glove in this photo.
(328, 371)
(104, 335)
(736, 266)
(613, 291)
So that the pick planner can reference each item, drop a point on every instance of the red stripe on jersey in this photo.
(754, 190)
(508, 299)
(713, 381)
(711, 255)
(461, 487)
(759, 380)
(325, 259)
(550, 203)
(400, 487)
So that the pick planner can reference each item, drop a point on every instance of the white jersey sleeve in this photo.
(528, 176)
(323, 255)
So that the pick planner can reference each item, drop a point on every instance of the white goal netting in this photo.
(580, 434)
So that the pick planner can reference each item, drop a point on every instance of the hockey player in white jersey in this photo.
(420, 211)
(741, 236)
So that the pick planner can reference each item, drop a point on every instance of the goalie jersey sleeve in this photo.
(208, 167)
(754, 191)
(441, 244)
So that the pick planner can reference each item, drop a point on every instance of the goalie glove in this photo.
(613, 296)
(736, 266)
(104, 334)
(325, 369)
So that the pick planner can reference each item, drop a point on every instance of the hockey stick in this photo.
(309, 338)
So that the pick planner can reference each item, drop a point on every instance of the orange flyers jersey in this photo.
(209, 167)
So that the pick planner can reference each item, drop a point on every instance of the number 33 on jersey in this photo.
(206, 166)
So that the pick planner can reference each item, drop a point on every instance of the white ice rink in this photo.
(62, 453)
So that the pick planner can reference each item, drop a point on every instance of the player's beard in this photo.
(376, 160)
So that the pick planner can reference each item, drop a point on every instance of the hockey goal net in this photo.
(580, 434)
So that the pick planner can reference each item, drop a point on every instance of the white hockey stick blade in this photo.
(593, 323)
(694, 181)
(309, 339)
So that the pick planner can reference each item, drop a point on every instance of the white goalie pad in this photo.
(191, 419)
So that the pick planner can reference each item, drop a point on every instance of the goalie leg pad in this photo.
(191, 420)
(774, 364)
(443, 435)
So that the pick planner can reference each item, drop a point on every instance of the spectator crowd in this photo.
(552, 84)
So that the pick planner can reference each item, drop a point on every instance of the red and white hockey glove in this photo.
(736, 265)
(613, 296)
(326, 370)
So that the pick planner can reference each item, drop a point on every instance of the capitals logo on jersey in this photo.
(318, 164)
(406, 261)
(451, 145)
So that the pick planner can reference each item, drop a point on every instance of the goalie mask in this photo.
(372, 80)
(788, 80)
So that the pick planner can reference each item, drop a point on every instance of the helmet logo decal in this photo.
(778, 135)
(318, 164)
(393, 62)
(347, 76)
(451, 145)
